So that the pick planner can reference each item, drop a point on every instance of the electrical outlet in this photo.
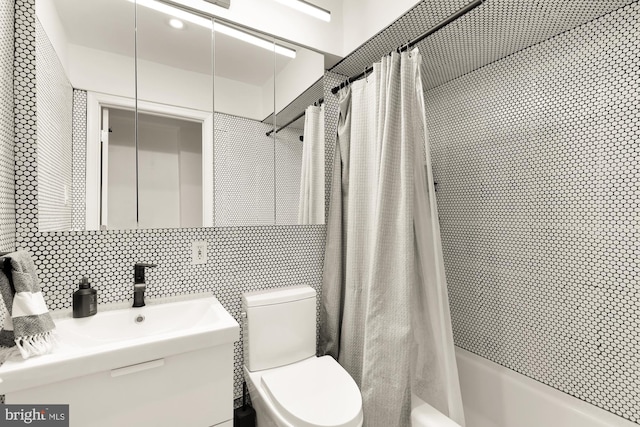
(199, 252)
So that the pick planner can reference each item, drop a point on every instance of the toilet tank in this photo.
(279, 326)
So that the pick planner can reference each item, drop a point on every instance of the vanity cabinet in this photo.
(161, 365)
(181, 390)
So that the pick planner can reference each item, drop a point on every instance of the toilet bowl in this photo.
(289, 386)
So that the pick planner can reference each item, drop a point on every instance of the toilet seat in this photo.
(314, 392)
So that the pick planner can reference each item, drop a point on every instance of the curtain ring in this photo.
(344, 83)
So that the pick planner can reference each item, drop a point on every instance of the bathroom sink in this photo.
(120, 336)
(149, 322)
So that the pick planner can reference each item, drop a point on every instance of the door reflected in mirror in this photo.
(186, 63)
(118, 169)
(169, 170)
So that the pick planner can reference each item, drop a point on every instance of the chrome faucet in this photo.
(139, 285)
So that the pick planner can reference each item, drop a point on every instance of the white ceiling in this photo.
(109, 25)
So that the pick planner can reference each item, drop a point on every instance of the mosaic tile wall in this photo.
(25, 157)
(240, 258)
(79, 161)
(7, 209)
(494, 30)
(243, 168)
(247, 168)
(537, 159)
(54, 112)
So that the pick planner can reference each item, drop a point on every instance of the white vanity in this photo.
(165, 364)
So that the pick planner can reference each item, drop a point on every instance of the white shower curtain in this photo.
(311, 204)
(384, 301)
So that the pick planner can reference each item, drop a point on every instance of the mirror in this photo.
(93, 173)
(244, 96)
(299, 156)
(258, 170)
(175, 135)
(74, 52)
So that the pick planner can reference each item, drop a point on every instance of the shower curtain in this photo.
(384, 304)
(311, 204)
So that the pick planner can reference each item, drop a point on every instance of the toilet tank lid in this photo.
(277, 295)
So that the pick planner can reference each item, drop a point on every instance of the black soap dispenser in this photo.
(85, 300)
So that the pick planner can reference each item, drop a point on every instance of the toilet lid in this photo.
(315, 392)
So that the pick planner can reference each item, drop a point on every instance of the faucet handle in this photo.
(138, 271)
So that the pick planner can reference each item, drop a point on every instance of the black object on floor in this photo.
(244, 416)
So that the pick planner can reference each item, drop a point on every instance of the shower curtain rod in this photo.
(318, 102)
(410, 44)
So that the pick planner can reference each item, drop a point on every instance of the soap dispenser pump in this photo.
(85, 300)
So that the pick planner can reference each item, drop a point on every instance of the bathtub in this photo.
(494, 396)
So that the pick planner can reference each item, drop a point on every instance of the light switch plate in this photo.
(199, 252)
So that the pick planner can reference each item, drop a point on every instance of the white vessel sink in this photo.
(121, 337)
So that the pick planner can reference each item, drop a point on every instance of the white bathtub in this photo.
(494, 396)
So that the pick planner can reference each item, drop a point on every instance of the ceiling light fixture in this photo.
(246, 37)
(176, 23)
(254, 40)
(308, 8)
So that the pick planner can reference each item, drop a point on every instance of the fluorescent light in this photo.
(174, 12)
(218, 27)
(256, 41)
(176, 23)
(308, 8)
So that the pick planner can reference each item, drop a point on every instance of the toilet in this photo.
(288, 384)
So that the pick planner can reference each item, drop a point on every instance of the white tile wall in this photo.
(494, 30)
(244, 172)
(7, 209)
(54, 113)
(537, 159)
(79, 160)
